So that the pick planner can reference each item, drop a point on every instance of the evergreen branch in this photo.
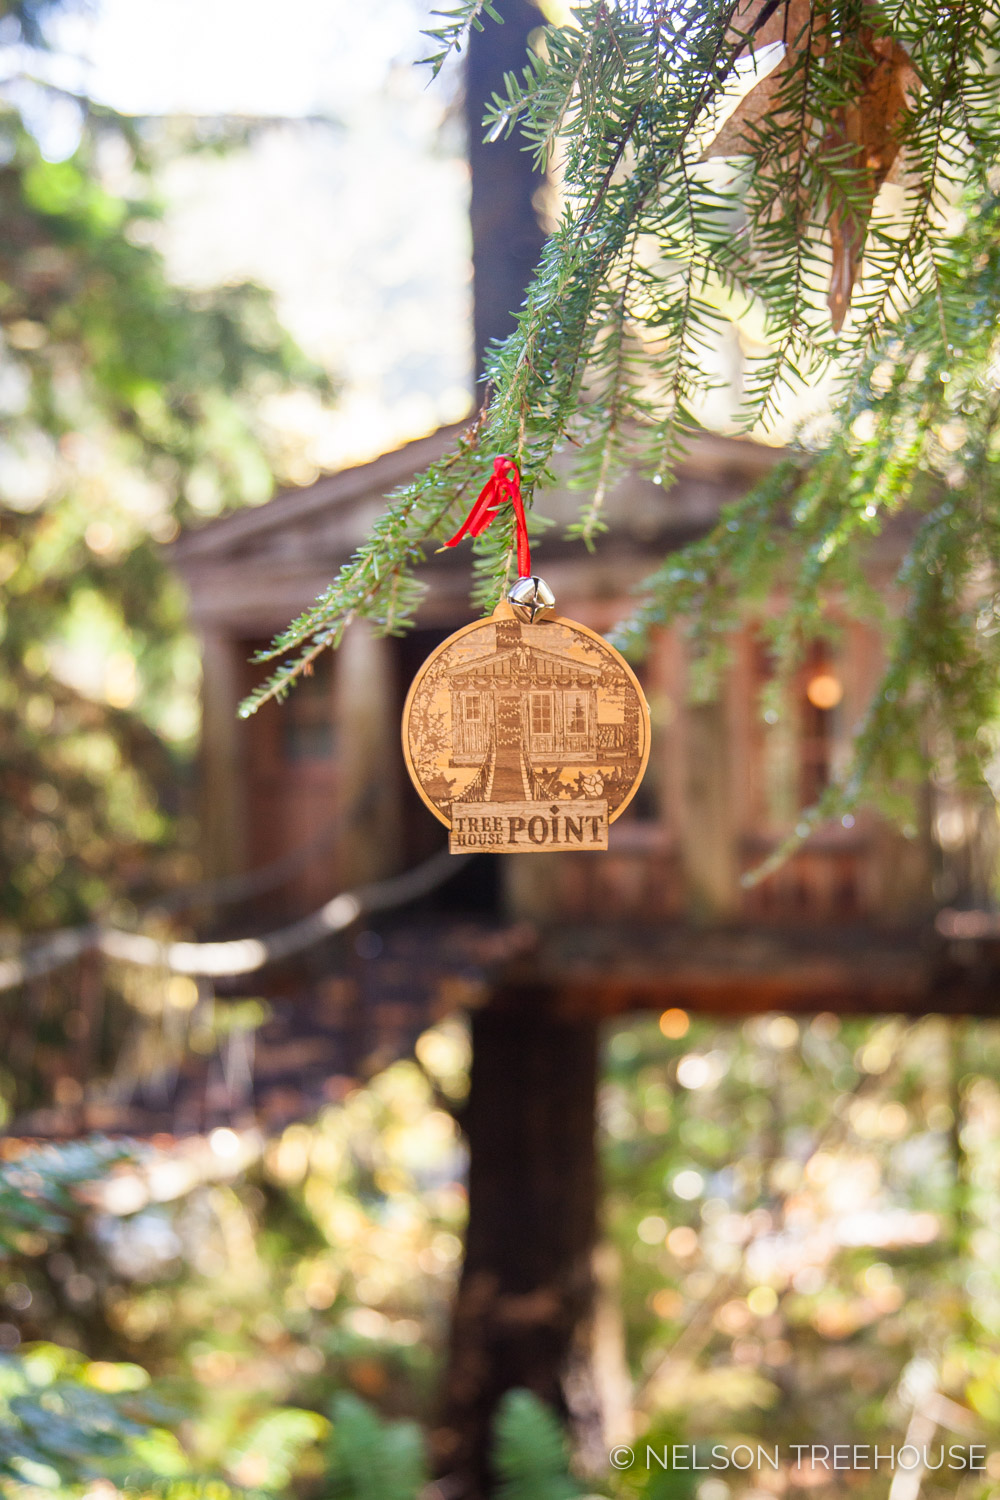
(458, 24)
(590, 523)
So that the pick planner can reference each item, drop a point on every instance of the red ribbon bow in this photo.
(503, 485)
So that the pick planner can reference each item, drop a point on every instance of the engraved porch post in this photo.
(508, 774)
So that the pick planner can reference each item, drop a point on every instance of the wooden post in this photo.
(223, 737)
(523, 1309)
(708, 837)
(367, 729)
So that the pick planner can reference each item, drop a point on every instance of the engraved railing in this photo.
(611, 736)
(480, 788)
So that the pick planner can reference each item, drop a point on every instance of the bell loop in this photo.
(530, 597)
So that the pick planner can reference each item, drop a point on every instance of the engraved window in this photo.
(576, 713)
(473, 709)
(541, 713)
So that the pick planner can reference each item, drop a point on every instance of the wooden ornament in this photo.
(526, 737)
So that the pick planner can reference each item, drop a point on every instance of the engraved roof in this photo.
(489, 664)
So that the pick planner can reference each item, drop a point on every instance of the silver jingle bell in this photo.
(530, 597)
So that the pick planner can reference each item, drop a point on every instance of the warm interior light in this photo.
(824, 690)
(674, 1023)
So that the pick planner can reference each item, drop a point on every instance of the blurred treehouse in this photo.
(724, 787)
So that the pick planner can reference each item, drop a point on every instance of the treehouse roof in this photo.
(249, 573)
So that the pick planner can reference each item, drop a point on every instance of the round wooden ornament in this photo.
(526, 731)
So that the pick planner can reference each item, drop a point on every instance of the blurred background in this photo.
(311, 1134)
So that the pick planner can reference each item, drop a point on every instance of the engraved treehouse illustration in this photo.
(508, 722)
(516, 706)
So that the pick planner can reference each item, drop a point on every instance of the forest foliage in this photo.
(129, 406)
(801, 1240)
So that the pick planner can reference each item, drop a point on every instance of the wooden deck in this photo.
(362, 1005)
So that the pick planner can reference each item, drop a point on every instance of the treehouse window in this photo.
(821, 693)
(307, 716)
(797, 737)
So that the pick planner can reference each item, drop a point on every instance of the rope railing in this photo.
(228, 890)
(234, 956)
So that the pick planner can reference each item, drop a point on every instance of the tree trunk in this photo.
(522, 1313)
(521, 1316)
(507, 236)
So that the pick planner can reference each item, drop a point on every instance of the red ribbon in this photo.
(503, 485)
